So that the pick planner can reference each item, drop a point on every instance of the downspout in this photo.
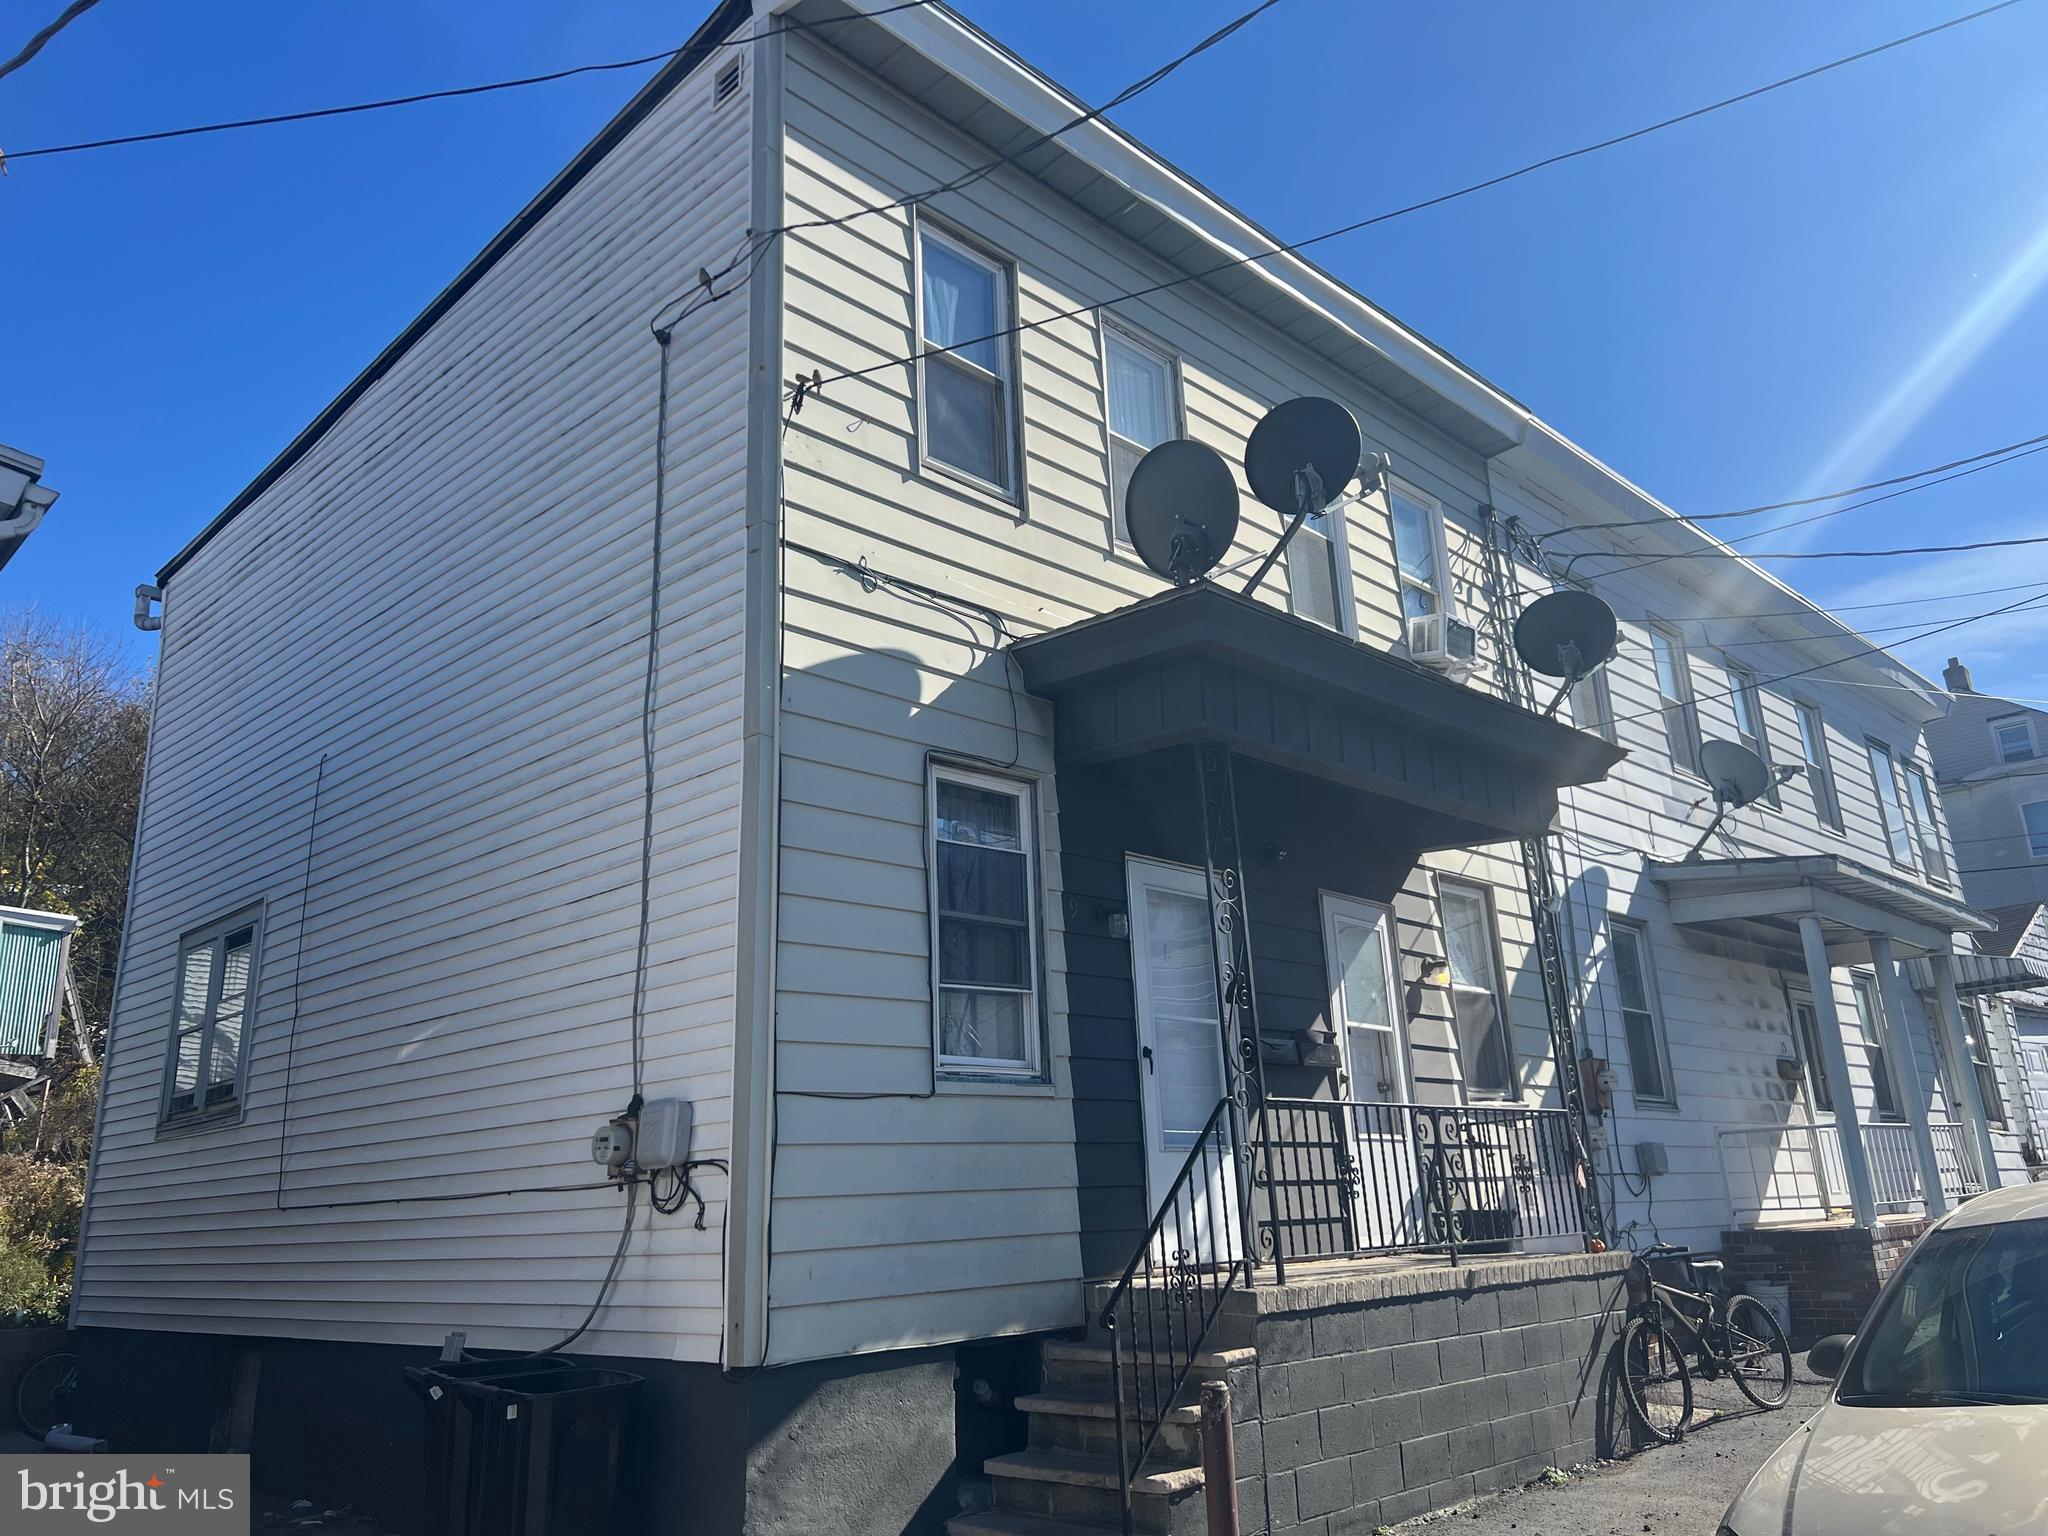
(753, 1069)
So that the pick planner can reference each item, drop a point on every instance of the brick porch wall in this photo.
(1834, 1271)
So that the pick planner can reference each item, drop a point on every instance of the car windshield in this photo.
(1966, 1321)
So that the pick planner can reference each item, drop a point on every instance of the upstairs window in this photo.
(2013, 736)
(1891, 804)
(2035, 815)
(984, 924)
(1748, 702)
(1419, 558)
(1926, 823)
(1649, 1063)
(1868, 1026)
(1592, 706)
(1473, 950)
(1143, 388)
(1820, 770)
(1674, 695)
(967, 394)
(215, 990)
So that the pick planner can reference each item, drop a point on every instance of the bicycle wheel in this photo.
(43, 1392)
(1655, 1381)
(1758, 1357)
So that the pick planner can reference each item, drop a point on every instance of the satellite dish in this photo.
(1566, 634)
(1181, 509)
(1736, 775)
(1297, 461)
(1295, 435)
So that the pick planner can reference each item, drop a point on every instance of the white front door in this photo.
(1180, 1048)
(1359, 949)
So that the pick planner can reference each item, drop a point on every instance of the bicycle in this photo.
(1735, 1334)
(44, 1390)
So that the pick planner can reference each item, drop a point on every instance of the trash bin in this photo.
(523, 1447)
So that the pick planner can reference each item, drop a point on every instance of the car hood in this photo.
(1880, 1471)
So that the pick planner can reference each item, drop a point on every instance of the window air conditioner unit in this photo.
(1440, 641)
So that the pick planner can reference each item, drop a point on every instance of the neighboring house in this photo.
(1991, 761)
(981, 871)
(23, 501)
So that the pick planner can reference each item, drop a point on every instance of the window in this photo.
(1419, 559)
(1472, 948)
(1674, 694)
(1869, 1017)
(984, 924)
(1978, 1040)
(2013, 736)
(1807, 1022)
(1926, 824)
(1748, 702)
(1891, 804)
(2035, 815)
(1592, 705)
(216, 987)
(966, 395)
(1820, 772)
(1142, 384)
(1649, 1062)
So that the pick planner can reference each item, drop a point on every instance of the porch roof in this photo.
(1765, 897)
(1205, 664)
(1980, 975)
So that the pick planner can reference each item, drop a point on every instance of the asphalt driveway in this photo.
(1669, 1490)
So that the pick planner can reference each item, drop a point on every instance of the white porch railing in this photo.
(1795, 1172)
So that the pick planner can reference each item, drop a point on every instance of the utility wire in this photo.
(34, 45)
(1894, 602)
(1807, 554)
(452, 93)
(1441, 198)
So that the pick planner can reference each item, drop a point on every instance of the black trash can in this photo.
(523, 1447)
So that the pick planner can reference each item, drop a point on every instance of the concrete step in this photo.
(1008, 1523)
(1085, 1489)
(1080, 1367)
(1086, 1422)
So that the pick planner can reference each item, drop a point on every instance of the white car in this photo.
(1938, 1422)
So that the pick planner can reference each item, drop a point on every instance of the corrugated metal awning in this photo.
(31, 955)
(1979, 975)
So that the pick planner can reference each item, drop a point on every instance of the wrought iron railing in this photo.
(1344, 1177)
(1159, 1315)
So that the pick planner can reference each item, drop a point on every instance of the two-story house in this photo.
(704, 658)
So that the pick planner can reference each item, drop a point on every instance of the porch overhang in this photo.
(1205, 665)
(1760, 901)
(1982, 975)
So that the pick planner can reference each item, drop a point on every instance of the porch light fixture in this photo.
(1114, 918)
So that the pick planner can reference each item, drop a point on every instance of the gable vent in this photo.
(727, 85)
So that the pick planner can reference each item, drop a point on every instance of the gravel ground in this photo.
(1667, 1490)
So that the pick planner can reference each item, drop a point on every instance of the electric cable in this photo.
(34, 45)
(611, 1276)
(311, 114)
(1295, 246)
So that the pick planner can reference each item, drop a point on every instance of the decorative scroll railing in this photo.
(1344, 1177)
(1160, 1313)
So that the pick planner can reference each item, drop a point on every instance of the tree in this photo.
(74, 721)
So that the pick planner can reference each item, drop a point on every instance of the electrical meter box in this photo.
(663, 1139)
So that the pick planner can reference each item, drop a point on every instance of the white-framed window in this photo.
(1141, 385)
(985, 924)
(2012, 736)
(1977, 1016)
(1926, 823)
(1421, 562)
(1649, 1054)
(1592, 706)
(2035, 816)
(1675, 698)
(1891, 803)
(967, 393)
(213, 1000)
(1820, 769)
(1319, 571)
(1748, 701)
(1869, 1011)
(1472, 947)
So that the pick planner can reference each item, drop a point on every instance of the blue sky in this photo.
(1831, 284)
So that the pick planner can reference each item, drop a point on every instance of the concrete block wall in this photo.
(1379, 1398)
(1834, 1272)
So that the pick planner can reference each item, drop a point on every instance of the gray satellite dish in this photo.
(1297, 461)
(1736, 775)
(1566, 634)
(1181, 509)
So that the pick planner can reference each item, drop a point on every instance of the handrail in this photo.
(1186, 1285)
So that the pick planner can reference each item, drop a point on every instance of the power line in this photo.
(1896, 602)
(1809, 554)
(451, 93)
(34, 45)
(1417, 207)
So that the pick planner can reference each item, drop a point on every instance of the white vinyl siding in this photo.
(1820, 768)
(1473, 948)
(449, 949)
(1141, 383)
(216, 984)
(984, 924)
(967, 369)
(1675, 699)
(1649, 1057)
